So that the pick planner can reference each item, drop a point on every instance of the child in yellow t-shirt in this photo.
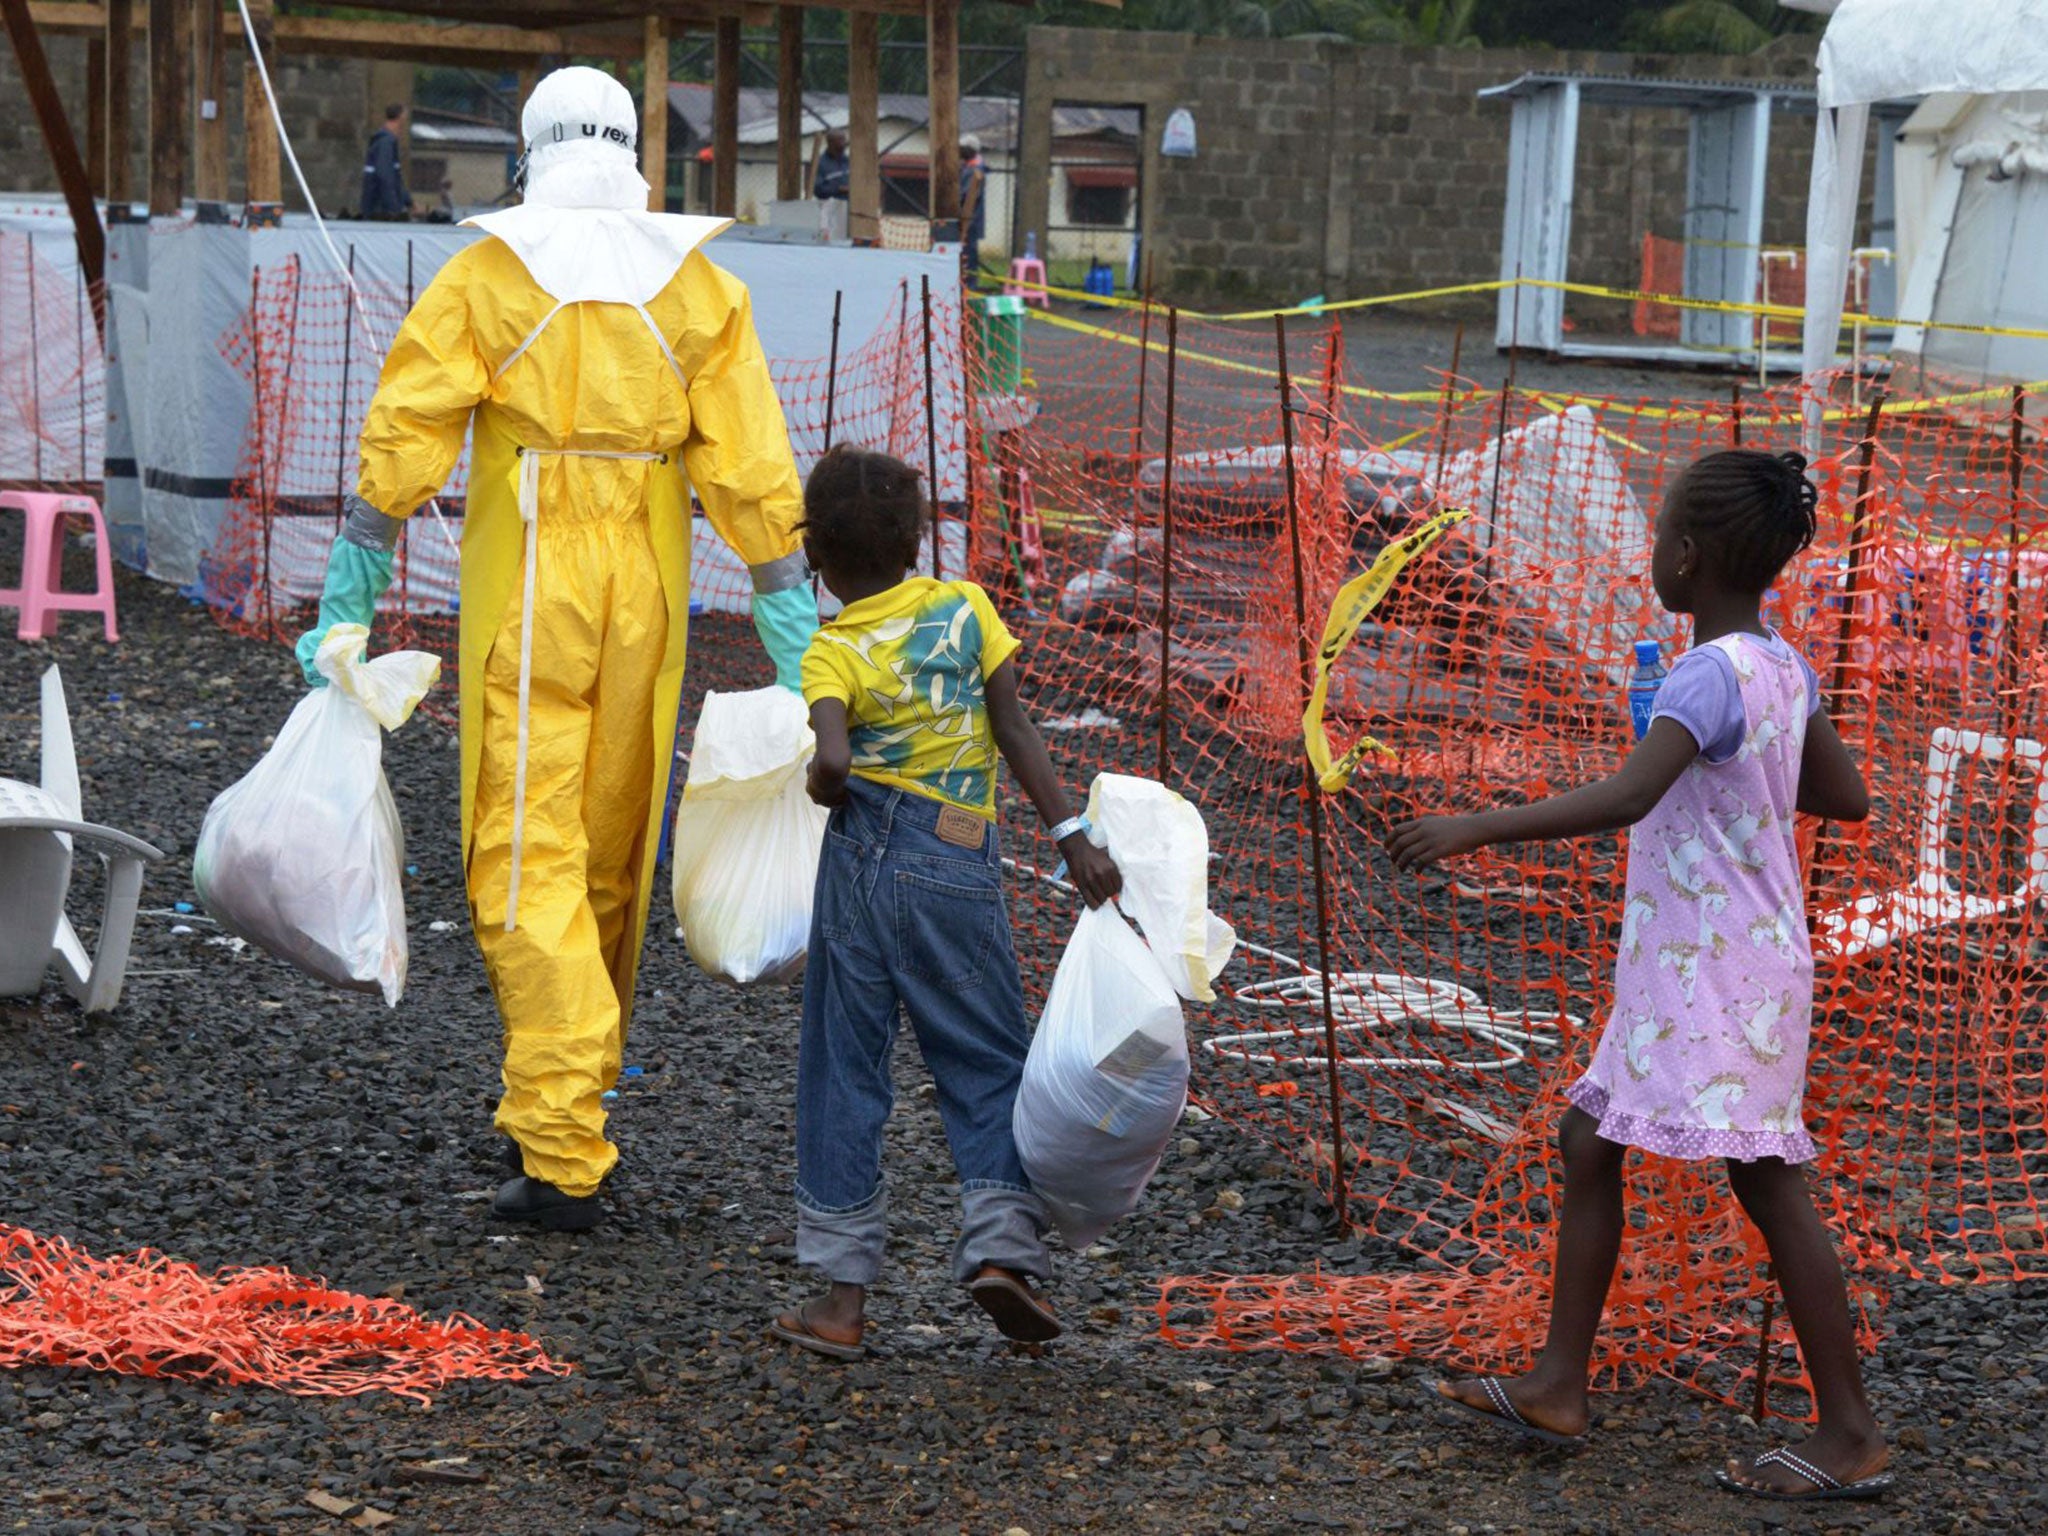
(913, 695)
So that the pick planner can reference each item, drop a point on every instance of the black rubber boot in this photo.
(531, 1200)
(514, 1159)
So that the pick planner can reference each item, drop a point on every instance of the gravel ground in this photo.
(233, 1113)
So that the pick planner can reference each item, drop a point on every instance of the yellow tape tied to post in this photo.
(1357, 598)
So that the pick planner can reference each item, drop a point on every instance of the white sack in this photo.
(304, 856)
(1105, 1082)
(1107, 1076)
(747, 838)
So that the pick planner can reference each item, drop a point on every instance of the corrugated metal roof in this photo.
(458, 134)
(1655, 90)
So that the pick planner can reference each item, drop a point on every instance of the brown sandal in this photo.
(795, 1328)
(1019, 1312)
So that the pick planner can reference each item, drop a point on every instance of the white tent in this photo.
(1972, 223)
(1887, 50)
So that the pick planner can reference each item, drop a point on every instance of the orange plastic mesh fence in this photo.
(147, 1315)
(1406, 1043)
(52, 386)
(1663, 272)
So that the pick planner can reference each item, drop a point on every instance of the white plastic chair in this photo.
(1934, 899)
(37, 826)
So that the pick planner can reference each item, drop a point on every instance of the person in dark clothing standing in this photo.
(973, 207)
(384, 194)
(832, 186)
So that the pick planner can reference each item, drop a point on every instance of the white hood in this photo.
(583, 231)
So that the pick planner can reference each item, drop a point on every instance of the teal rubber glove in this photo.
(786, 620)
(356, 578)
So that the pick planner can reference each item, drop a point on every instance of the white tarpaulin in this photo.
(1887, 50)
(177, 432)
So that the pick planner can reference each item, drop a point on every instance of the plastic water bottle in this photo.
(1030, 245)
(1642, 688)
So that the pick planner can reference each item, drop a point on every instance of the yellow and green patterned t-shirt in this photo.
(910, 664)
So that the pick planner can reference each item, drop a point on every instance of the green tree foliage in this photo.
(1718, 26)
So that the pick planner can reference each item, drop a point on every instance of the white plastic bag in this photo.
(1106, 1079)
(747, 838)
(1162, 849)
(1107, 1075)
(303, 857)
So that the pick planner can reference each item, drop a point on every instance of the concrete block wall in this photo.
(1348, 171)
(328, 103)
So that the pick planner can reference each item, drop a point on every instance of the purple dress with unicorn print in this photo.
(1705, 1053)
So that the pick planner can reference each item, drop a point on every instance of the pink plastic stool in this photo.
(1025, 270)
(41, 595)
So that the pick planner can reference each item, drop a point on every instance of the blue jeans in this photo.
(903, 917)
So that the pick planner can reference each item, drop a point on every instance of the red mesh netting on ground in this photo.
(148, 1315)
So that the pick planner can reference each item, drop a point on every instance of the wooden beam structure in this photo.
(425, 42)
(209, 103)
(263, 184)
(119, 33)
(942, 72)
(725, 121)
(654, 116)
(789, 103)
(96, 115)
(864, 127)
(41, 87)
(169, 85)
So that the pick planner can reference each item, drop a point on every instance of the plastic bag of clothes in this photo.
(747, 838)
(305, 857)
(1107, 1075)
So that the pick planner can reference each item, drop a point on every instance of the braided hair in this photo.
(1749, 511)
(863, 512)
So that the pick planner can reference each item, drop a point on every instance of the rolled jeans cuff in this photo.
(846, 1245)
(1003, 1225)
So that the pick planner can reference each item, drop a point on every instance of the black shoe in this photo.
(514, 1159)
(529, 1199)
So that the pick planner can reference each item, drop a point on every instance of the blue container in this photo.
(1642, 688)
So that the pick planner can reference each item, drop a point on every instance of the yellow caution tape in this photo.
(1357, 598)
(1581, 290)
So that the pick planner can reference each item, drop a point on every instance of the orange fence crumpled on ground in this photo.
(1463, 1003)
(148, 1315)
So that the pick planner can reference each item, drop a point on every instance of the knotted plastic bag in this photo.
(747, 838)
(304, 856)
(1107, 1075)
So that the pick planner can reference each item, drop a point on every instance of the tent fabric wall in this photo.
(184, 373)
(1884, 50)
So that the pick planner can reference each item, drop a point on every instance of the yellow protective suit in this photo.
(610, 605)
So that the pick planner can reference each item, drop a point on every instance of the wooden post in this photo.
(263, 182)
(96, 115)
(864, 126)
(725, 120)
(62, 148)
(789, 103)
(654, 116)
(210, 123)
(942, 74)
(120, 134)
(169, 85)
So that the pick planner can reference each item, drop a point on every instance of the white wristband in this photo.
(1068, 828)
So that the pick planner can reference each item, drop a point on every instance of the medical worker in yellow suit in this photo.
(605, 367)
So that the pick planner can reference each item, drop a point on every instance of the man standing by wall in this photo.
(973, 207)
(384, 194)
(831, 185)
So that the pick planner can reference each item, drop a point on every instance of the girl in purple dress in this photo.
(1705, 1053)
